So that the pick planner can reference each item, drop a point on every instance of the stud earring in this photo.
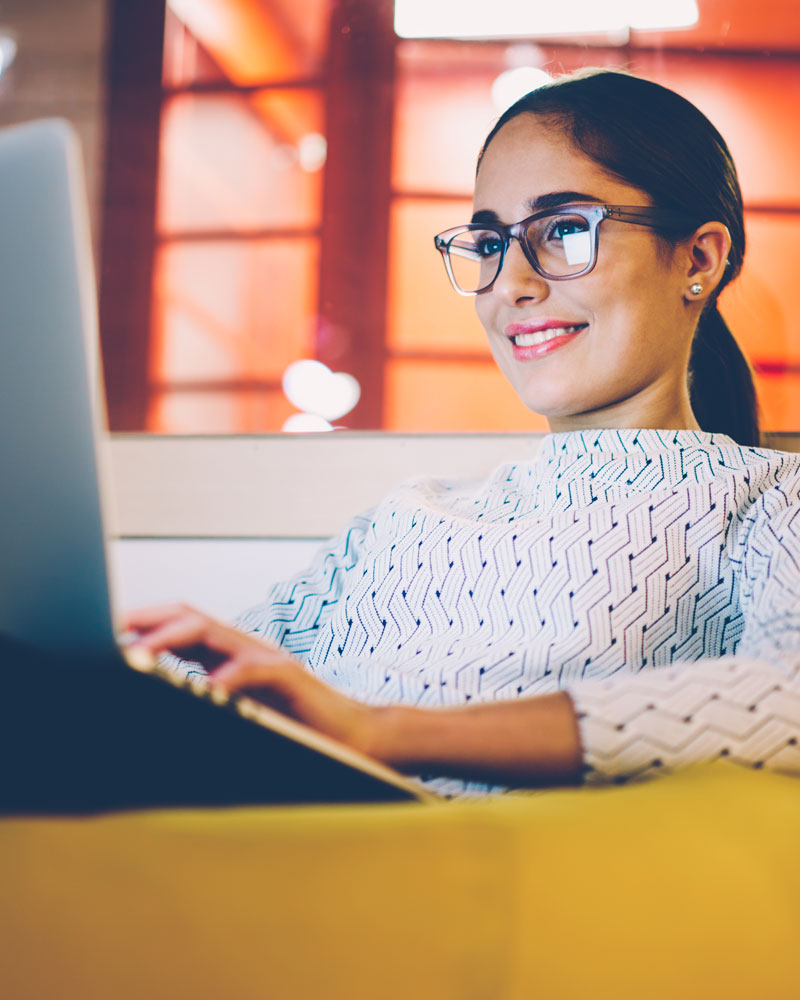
(696, 288)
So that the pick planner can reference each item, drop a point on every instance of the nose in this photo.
(517, 280)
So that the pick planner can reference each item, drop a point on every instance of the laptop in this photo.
(87, 729)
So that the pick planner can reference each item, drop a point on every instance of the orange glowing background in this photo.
(241, 207)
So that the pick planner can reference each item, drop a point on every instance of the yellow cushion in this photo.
(686, 887)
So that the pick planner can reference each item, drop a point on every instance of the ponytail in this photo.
(721, 388)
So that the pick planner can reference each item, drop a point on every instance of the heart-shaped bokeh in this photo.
(312, 387)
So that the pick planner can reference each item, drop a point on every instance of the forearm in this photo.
(530, 741)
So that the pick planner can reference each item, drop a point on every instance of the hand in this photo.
(240, 663)
(531, 740)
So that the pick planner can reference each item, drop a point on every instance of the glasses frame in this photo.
(638, 215)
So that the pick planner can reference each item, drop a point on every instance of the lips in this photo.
(535, 334)
(530, 340)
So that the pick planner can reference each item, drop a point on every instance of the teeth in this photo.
(542, 336)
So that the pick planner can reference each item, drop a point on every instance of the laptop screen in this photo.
(53, 579)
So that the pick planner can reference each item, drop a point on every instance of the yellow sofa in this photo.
(681, 888)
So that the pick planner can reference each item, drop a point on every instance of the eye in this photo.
(487, 244)
(563, 226)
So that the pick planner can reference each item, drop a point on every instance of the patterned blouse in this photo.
(654, 575)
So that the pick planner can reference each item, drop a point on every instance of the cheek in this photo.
(484, 311)
(622, 306)
(636, 341)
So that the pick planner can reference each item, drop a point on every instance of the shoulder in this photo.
(768, 488)
(766, 475)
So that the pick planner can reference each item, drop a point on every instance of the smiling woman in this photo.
(629, 601)
(649, 300)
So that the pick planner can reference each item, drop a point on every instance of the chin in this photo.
(553, 405)
(573, 395)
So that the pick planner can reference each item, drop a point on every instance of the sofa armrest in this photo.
(686, 887)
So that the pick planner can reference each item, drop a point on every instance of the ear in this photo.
(706, 258)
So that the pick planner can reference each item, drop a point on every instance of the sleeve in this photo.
(745, 707)
(295, 609)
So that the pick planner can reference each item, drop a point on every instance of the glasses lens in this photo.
(475, 256)
(562, 243)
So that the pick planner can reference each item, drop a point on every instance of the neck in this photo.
(662, 407)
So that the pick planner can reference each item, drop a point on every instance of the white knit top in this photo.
(627, 567)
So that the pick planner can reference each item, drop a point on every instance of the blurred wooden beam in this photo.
(135, 50)
(249, 39)
(355, 227)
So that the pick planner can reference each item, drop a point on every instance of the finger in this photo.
(239, 674)
(265, 682)
(152, 616)
(191, 630)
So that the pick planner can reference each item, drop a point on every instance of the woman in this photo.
(577, 614)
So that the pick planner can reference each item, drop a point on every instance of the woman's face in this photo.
(625, 328)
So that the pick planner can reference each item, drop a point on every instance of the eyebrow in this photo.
(551, 200)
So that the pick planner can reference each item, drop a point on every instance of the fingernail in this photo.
(139, 657)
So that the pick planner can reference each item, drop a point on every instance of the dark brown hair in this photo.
(655, 140)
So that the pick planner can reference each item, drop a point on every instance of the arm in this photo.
(744, 707)
(655, 721)
(740, 708)
(531, 741)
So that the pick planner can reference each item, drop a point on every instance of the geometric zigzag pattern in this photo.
(732, 708)
(626, 567)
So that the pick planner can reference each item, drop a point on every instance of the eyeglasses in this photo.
(558, 243)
